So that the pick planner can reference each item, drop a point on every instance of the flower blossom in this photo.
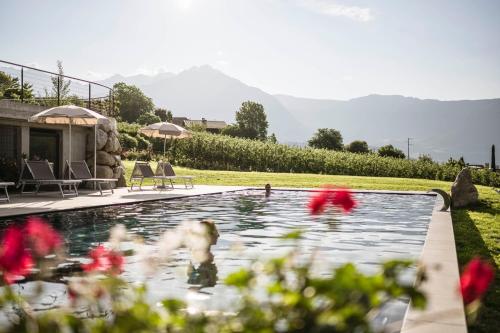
(340, 198)
(15, 258)
(475, 280)
(105, 261)
(42, 237)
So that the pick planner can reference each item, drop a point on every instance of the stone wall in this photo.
(109, 164)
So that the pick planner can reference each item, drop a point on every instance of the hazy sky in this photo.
(336, 49)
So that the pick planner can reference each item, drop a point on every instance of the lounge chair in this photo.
(164, 169)
(4, 185)
(40, 173)
(141, 171)
(80, 170)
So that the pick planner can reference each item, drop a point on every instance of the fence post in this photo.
(58, 90)
(90, 94)
(22, 84)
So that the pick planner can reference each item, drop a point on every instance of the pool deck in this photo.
(444, 312)
(46, 202)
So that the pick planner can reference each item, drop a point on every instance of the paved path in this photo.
(52, 201)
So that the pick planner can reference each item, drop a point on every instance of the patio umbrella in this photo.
(71, 115)
(165, 130)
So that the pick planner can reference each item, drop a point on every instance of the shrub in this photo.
(127, 141)
(142, 143)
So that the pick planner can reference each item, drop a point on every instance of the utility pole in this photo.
(408, 156)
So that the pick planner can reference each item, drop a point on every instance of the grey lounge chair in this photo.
(80, 170)
(39, 173)
(4, 185)
(164, 169)
(141, 171)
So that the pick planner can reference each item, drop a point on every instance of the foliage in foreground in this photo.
(220, 152)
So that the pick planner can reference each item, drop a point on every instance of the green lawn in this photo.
(477, 230)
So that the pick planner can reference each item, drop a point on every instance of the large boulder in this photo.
(122, 182)
(118, 172)
(104, 158)
(103, 171)
(113, 144)
(463, 191)
(108, 126)
(102, 139)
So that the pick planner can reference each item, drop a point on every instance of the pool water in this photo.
(382, 227)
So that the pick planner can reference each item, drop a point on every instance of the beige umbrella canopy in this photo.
(165, 130)
(71, 115)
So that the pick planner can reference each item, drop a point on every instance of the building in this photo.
(22, 139)
(212, 126)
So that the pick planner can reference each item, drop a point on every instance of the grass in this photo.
(477, 229)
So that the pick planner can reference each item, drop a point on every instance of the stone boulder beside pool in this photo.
(108, 161)
(463, 191)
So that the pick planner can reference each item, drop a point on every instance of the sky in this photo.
(332, 49)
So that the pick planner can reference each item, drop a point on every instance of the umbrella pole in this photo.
(69, 158)
(95, 154)
(164, 145)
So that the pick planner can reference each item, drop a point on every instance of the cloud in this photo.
(96, 76)
(327, 7)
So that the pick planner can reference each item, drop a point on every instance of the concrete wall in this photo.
(17, 114)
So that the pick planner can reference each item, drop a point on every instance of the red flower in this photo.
(475, 280)
(15, 258)
(43, 238)
(342, 198)
(104, 261)
(318, 202)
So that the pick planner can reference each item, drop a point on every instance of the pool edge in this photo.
(445, 309)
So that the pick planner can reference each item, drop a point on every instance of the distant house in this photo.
(212, 126)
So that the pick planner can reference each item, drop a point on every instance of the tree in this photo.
(272, 138)
(326, 138)
(358, 146)
(252, 121)
(10, 88)
(391, 151)
(132, 102)
(164, 114)
(60, 86)
(148, 118)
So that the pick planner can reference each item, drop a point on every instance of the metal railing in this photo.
(37, 86)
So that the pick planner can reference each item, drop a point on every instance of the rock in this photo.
(113, 144)
(104, 158)
(118, 172)
(463, 191)
(104, 171)
(118, 160)
(122, 182)
(102, 139)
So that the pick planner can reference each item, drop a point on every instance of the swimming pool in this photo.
(382, 227)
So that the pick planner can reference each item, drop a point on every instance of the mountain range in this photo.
(441, 129)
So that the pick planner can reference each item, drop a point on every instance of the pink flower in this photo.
(103, 260)
(318, 202)
(15, 258)
(43, 238)
(342, 198)
(475, 280)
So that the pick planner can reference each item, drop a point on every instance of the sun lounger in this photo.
(164, 169)
(4, 185)
(141, 171)
(39, 173)
(80, 170)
